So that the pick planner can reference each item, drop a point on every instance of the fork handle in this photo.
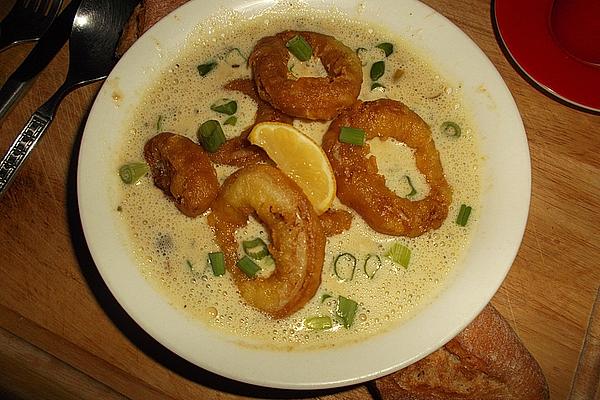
(21, 148)
(30, 135)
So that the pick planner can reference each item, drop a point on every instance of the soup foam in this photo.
(172, 249)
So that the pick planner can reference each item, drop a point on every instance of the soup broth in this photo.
(172, 249)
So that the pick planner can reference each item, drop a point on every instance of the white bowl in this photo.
(502, 218)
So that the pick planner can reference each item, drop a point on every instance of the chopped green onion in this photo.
(231, 121)
(346, 310)
(344, 266)
(231, 61)
(463, 215)
(267, 262)
(190, 265)
(372, 267)
(256, 249)
(248, 266)
(400, 254)
(300, 48)
(325, 296)
(204, 69)
(451, 129)
(133, 172)
(355, 136)
(413, 191)
(159, 123)
(225, 106)
(387, 48)
(377, 70)
(377, 85)
(318, 323)
(211, 136)
(217, 263)
(360, 50)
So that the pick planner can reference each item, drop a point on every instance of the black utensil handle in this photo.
(11, 92)
(21, 148)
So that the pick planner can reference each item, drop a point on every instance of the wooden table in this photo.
(62, 335)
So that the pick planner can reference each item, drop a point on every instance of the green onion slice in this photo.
(399, 253)
(387, 48)
(204, 69)
(325, 296)
(377, 70)
(300, 48)
(190, 265)
(318, 323)
(231, 121)
(256, 249)
(372, 265)
(248, 266)
(346, 310)
(159, 123)
(413, 191)
(377, 85)
(211, 136)
(463, 215)
(224, 106)
(131, 173)
(217, 263)
(355, 136)
(344, 266)
(230, 57)
(451, 129)
(359, 52)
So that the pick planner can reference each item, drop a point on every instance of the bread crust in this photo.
(486, 361)
(145, 14)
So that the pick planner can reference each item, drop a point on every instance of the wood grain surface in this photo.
(62, 335)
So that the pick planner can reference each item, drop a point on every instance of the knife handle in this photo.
(11, 92)
(21, 148)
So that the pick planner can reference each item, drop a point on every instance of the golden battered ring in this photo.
(297, 239)
(360, 186)
(318, 98)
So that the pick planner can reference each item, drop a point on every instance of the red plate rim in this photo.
(528, 40)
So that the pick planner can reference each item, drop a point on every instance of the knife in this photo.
(45, 50)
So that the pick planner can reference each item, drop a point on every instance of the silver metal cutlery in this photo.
(95, 33)
(27, 21)
(39, 57)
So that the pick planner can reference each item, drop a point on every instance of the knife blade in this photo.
(39, 57)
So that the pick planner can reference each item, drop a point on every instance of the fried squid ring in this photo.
(238, 151)
(297, 239)
(360, 186)
(319, 98)
(183, 171)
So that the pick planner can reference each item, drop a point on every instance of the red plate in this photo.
(524, 27)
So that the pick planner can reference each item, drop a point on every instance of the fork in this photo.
(27, 21)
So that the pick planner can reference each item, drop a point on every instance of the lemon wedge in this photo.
(300, 158)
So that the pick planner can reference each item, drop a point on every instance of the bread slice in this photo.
(486, 361)
(145, 14)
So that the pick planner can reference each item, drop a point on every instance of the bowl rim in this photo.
(499, 232)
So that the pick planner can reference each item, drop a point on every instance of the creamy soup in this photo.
(171, 249)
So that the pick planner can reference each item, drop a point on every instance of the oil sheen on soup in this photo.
(171, 249)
